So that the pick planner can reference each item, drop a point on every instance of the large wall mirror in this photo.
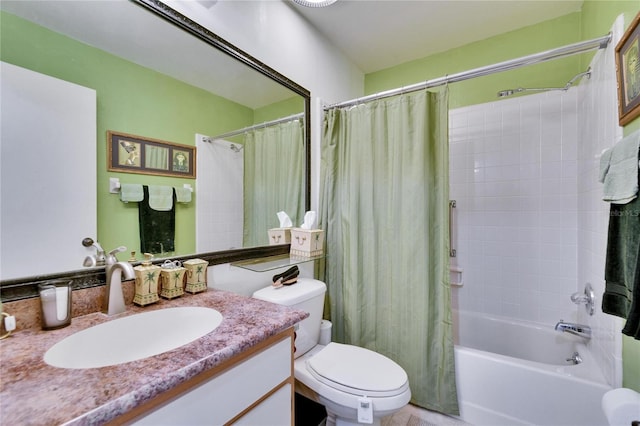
(159, 75)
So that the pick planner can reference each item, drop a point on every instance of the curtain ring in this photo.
(446, 83)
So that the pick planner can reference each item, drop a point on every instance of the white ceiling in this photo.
(374, 34)
(377, 34)
(131, 32)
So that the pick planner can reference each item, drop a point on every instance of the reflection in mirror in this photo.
(158, 81)
(262, 163)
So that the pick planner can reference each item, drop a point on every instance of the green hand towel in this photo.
(157, 228)
(622, 270)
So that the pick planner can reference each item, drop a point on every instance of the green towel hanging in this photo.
(622, 270)
(157, 228)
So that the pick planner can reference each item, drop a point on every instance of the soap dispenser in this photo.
(147, 277)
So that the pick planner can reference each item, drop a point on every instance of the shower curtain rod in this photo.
(560, 52)
(257, 126)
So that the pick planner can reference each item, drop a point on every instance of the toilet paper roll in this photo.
(325, 332)
(621, 406)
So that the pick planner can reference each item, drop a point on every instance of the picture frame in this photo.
(137, 154)
(627, 54)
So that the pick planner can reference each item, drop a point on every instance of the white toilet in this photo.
(356, 385)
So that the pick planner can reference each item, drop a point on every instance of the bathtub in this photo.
(515, 373)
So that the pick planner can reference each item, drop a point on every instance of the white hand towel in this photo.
(131, 192)
(161, 197)
(621, 179)
(183, 195)
(605, 163)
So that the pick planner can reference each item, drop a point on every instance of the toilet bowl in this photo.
(356, 385)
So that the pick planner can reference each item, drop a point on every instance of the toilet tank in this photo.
(306, 295)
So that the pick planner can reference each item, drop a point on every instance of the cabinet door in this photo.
(228, 394)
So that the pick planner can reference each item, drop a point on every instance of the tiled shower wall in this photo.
(219, 204)
(531, 226)
(513, 174)
(598, 130)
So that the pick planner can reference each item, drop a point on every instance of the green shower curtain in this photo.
(273, 179)
(384, 207)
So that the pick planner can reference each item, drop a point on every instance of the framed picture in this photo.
(628, 73)
(137, 154)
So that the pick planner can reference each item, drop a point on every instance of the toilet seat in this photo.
(357, 371)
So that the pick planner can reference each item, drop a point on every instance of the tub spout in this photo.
(583, 331)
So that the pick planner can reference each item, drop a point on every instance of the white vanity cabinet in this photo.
(255, 388)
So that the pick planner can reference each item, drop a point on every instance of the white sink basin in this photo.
(134, 337)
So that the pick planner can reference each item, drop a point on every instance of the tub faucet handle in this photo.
(587, 298)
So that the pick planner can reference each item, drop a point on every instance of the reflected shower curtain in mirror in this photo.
(273, 179)
(384, 208)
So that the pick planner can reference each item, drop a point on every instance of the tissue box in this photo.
(279, 236)
(307, 242)
(172, 282)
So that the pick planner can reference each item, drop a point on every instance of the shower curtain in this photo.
(273, 179)
(384, 208)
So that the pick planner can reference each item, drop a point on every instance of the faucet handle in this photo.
(99, 257)
(111, 257)
(117, 250)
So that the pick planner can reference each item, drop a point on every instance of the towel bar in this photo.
(114, 186)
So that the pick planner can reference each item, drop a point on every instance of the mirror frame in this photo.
(24, 288)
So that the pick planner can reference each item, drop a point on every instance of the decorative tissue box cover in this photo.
(171, 281)
(196, 275)
(307, 242)
(279, 236)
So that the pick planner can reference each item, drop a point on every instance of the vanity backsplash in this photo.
(84, 301)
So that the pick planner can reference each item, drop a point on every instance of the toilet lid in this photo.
(358, 371)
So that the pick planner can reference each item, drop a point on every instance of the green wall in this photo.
(131, 99)
(526, 41)
(280, 109)
(593, 21)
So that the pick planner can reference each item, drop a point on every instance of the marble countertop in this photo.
(33, 393)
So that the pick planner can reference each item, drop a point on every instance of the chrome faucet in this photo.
(580, 330)
(114, 298)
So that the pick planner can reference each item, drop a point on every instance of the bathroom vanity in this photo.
(239, 372)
